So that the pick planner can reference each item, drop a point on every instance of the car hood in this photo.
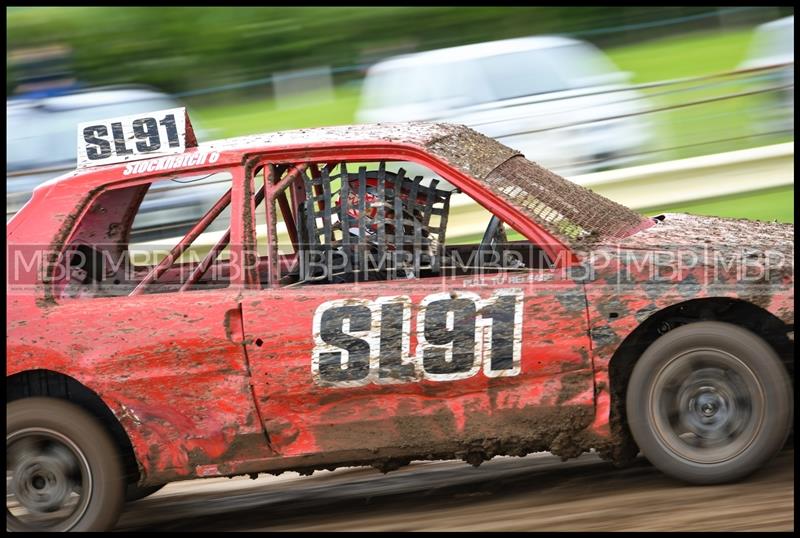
(680, 230)
(735, 256)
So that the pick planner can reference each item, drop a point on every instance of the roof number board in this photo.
(134, 137)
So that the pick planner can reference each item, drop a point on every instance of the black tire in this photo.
(709, 402)
(53, 446)
(134, 492)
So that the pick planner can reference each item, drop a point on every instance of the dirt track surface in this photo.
(535, 493)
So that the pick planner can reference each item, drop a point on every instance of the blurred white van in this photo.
(529, 93)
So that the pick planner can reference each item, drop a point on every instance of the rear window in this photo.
(124, 240)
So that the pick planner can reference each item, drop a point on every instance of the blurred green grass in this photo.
(683, 55)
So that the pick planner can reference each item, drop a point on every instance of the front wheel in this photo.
(709, 402)
(63, 472)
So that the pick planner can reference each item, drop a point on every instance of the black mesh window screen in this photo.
(362, 221)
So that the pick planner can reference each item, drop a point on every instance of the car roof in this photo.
(474, 51)
(419, 134)
(416, 133)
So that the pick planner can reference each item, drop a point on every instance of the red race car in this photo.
(336, 307)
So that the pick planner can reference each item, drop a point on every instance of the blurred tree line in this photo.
(185, 48)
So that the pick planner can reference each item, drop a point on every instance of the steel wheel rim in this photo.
(706, 406)
(48, 481)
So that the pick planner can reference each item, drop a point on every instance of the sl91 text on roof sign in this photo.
(134, 137)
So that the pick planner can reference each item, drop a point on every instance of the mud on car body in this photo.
(333, 322)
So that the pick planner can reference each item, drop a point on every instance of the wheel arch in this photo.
(735, 311)
(53, 384)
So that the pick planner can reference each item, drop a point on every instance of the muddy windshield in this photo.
(570, 212)
(565, 209)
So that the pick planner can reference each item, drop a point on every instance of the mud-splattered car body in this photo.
(232, 380)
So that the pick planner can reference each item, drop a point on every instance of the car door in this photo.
(420, 365)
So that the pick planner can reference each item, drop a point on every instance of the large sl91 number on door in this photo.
(357, 341)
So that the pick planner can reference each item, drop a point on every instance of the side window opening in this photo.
(342, 222)
(370, 223)
(170, 235)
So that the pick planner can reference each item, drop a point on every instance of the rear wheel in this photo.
(709, 402)
(63, 472)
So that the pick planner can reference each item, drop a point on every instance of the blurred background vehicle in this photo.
(41, 143)
(773, 44)
(518, 91)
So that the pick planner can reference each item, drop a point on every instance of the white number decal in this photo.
(134, 137)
